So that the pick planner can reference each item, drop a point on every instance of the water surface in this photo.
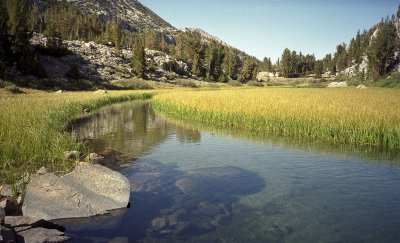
(196, 184)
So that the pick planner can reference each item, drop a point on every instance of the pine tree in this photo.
(328, 64)
(3, 38)
(3, 25)
(215, 58)
(341, 57)
(266, 64)
(36, 21)
(18, 23)
(318, 69)
(247, 73)
(116, 34)
(194, 52)
(382, 48)
(285, 63)
(232, 65)
(139, 60)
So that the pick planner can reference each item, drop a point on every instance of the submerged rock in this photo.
(220, 182)
(208, 209)
(87, 191)
(159, 223)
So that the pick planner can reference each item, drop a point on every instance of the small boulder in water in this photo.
(159, 223)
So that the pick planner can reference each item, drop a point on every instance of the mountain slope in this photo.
(133, 15)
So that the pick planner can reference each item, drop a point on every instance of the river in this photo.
(197, 184)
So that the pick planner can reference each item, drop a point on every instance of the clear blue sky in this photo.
(265, 27)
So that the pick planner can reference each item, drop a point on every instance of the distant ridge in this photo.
(133, 15)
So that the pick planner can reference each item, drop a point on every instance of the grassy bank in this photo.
(31, 128)
(349, 116)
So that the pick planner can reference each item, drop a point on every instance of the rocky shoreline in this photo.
(89, 190)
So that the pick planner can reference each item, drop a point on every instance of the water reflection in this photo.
(121, 133)
(368, 152)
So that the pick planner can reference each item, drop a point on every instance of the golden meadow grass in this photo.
(31, 128)
(349, 116)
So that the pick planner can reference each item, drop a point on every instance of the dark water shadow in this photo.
(170, 204)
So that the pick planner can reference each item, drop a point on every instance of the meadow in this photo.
(347, 116)
(32, 129)
(33, 134)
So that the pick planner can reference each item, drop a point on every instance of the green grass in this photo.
(347, 116)
(32, 129)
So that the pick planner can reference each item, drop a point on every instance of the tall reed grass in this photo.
(32, 130)
(348, 116)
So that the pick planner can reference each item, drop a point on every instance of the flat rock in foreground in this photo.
(30, 230)
(87, 191)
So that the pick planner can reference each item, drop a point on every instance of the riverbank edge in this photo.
(296, 128)
(58, 120)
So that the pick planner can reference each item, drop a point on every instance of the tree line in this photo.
(377, 46)
(207, 59)
(60, 20)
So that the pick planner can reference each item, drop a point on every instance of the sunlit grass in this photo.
(32, 128)
(349, 116)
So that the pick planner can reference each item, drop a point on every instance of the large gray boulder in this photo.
(87, 191)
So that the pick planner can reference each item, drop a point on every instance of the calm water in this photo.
(192, 184)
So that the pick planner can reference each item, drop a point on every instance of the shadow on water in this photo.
(170, 204)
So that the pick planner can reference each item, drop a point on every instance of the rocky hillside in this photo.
(374, 53)
(103, 63)
(133, 15)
